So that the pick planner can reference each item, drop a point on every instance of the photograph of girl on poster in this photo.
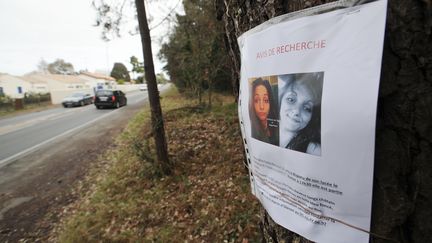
(300, 112)
(263, 110)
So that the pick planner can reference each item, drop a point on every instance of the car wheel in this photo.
(98, 107)
(117, 105)
(65, 106)
(81, 103)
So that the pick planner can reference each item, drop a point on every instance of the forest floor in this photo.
(207, 198)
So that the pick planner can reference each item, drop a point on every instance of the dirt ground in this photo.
(35, 188)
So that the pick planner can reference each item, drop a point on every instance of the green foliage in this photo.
(140, 79)
(32, 102)
(196, 56)
(5, 98)
(36, 98)
(161, 79)
(59, 66)
(121, 81)
(119, 71)
(137, 66)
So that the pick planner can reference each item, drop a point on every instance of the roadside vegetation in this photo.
(32, 103)
(206, 199)
(10, 111)
(197, 60)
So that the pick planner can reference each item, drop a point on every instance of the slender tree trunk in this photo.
(200, 102)
(153, 93)
(402, 193)
(210, 90)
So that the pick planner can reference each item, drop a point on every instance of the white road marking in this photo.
(9, 159)
(24, 124)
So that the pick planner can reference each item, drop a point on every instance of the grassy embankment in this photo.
(207, 199)
(4, 113)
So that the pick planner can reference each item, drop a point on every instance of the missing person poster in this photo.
(308, 99)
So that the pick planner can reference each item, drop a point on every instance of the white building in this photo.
(60, 85)
(99, 81)
(13, 86)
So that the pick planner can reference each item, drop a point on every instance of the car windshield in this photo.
(77, 95)
(104, 92)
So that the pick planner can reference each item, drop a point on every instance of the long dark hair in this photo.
(257, 130)
(312, 132)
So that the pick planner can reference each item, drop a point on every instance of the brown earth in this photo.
(34, 189)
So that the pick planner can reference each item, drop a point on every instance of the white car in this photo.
(143, 87)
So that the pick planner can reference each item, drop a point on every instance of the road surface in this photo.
(23, 134)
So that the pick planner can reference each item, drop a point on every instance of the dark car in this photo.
(77, 99)
(110, 98)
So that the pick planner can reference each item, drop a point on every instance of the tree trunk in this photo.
(210, 90)
(200, 102)
(153, 93)
(402, 193)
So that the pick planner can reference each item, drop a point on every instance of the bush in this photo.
(6, 103)
(36, 98)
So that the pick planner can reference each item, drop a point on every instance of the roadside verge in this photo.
(206, 199)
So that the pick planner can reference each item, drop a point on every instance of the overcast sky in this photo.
(49, 29)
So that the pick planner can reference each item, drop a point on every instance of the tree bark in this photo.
(402, 192)
(153, 93)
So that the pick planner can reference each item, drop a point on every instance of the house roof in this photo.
(98, 76)
(43, 78)
(31, 78)
(7, 77)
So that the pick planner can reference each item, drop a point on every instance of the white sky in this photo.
(31, 30)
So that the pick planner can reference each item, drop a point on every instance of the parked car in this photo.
(77, 99)
(143, 87)
(110, 98)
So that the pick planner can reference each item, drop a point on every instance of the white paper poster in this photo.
(308, 97)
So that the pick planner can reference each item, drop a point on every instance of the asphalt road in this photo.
(24, 134)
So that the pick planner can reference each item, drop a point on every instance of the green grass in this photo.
(205, 199)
